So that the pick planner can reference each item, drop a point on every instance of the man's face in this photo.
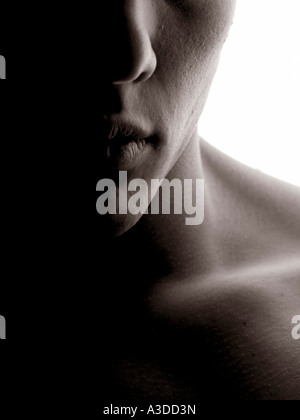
(159, 58)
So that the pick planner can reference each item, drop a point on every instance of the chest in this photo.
(155, 371)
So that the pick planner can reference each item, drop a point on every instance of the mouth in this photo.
(123, 144)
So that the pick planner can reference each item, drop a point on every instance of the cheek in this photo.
(188, 45)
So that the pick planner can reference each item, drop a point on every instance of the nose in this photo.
(129, 55)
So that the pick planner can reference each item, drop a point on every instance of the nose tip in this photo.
(129, 53)
(139, 63)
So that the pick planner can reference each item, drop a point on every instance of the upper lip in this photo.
(122, 131)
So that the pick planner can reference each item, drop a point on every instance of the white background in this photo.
(253, 111)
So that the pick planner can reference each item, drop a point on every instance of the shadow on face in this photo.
(158, 59)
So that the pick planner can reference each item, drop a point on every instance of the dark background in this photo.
(12, 179)
(4, 309)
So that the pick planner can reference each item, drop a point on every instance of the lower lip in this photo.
(123, 156)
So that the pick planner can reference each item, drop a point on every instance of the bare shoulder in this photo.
(258, 288)
(258, 307)
(245, 307)
(259, 215)
(247, 319)
(256, 186)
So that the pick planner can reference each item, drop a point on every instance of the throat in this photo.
(162, 245)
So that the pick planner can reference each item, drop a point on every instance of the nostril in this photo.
(140, 71)
(141, 78)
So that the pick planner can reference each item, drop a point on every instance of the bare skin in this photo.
(202, 312)
(217, 322)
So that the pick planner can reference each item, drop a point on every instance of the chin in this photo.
(117, 225)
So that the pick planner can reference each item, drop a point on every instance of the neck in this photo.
(162, 245)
